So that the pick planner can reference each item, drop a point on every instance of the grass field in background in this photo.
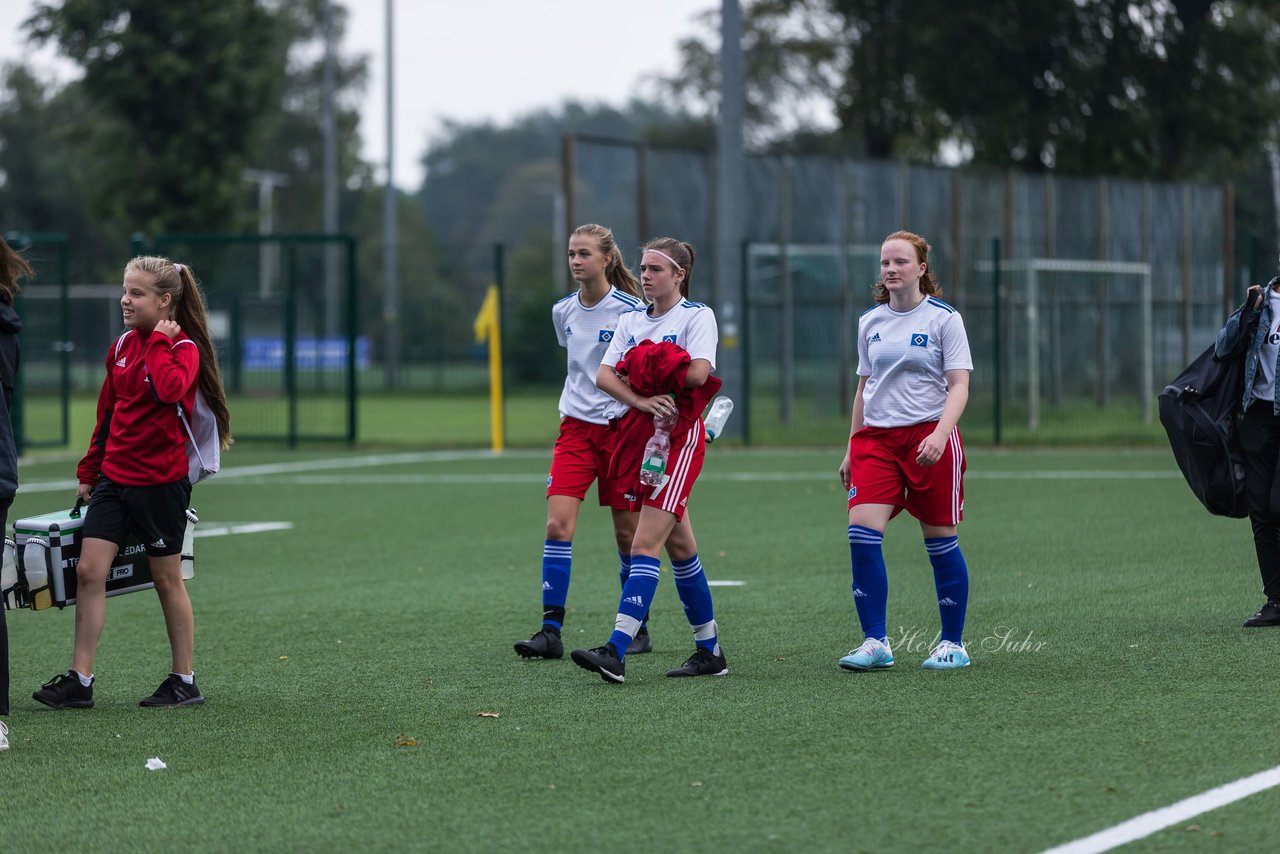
(413, 420)
(347, 662)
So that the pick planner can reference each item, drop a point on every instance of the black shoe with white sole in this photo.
(603, 660)
(702, 663)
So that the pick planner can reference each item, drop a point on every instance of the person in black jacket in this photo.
(12, 268)
(1260, 433)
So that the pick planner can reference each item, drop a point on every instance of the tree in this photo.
(1168, 89)
(291, 140)
(182, 88)
(44, 167)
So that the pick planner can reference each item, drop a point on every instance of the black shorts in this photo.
(156, 515)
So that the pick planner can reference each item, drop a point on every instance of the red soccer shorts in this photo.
(581, 455)
(883, 470)
(688, 451)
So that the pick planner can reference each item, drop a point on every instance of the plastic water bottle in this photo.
(188, 560)
(653, 466)
(717, 414)
(35, 568)
(8, 574)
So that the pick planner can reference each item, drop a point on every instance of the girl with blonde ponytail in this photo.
(585, 322)
(134, 475)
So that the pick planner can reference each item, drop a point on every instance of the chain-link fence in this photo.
(1081, 297)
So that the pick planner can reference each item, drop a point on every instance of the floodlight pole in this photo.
(390, 297)
(267, 182)
(332, 306)
(730, 177)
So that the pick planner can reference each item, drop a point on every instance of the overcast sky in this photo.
(475, 59)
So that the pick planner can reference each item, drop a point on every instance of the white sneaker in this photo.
(872, 655)
(947, 656)
(4, 736)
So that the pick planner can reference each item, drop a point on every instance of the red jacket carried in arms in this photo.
(652, 369)
(139, 440)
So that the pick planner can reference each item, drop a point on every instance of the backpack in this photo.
(204, 445)
(1200, 412)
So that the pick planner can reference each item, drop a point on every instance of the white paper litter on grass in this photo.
(155, 764)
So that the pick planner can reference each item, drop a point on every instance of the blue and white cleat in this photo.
(947, 655)
(874, 654)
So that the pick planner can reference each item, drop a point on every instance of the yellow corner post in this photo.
(489, 328)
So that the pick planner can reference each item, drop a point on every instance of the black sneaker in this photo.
(1268, 615)
(545, 644)
(702, 663)
(602, 660)
(64, 691)
(641, 643)
(174, 692)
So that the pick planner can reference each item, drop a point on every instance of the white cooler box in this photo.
(39, 568)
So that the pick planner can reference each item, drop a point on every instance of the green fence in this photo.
(42, 409)
(1065, 350)
(284, 317)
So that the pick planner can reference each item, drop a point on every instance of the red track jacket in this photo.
(139, 439)
(653, 369)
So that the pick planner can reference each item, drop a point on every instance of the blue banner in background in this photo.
(326, 353)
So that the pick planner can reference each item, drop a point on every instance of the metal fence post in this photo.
(995, 339)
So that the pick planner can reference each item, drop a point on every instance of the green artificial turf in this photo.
(363, 692)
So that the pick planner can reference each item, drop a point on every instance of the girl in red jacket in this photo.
(134, 475)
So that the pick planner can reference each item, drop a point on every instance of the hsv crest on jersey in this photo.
(606, 335)
(919, 339)
(670, 339)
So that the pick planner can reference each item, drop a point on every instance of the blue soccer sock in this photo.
(637, 594)
(557, 556)
(624, 569)
(870, 580)
(951, 578)
(695, 595)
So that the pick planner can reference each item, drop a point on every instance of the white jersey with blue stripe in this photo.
(688, 324)
(586, 332)
(905, 356)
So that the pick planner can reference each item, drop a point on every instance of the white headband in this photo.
(679, 266)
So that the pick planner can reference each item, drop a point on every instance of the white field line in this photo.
(231, 529)
(1148, 823)
(726, 583)
(232, 472)
(301, 470)
(734, 477)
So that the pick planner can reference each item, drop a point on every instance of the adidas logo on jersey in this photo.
(158, 544)
(546, 585)
(946, 600)
(857, 592)
(568, 330)
(631, 342)
(638, 601)
(120, 362)
(874, 338)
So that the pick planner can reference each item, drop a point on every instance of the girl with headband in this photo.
(659, 364)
